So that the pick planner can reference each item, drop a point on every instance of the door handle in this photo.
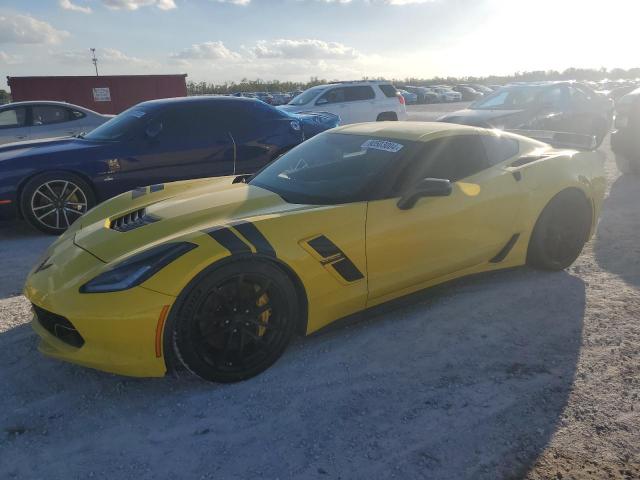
(21, 137)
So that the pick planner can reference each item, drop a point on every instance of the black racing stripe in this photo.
(502, 254)
(138, 192)
(156, 188)
(347, 270)
(229, 240)
(325, 247)
(249, 231)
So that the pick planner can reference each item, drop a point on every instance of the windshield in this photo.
(331, 168)
(308, 95)
(121, 126)
(508, 98)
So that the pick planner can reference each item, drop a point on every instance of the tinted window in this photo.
(499, 149)
(48, 114)
(509, 98)
(76, 114)
(308, 95)
(389, 90)
(452, 158)
(13, 117)
(554, 97)
(332, 168)
(353, 94)
(335, 95)
(123, 126)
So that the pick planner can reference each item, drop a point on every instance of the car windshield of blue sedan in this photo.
(308, 95)
(509, 98)
(332, 168)
(121, 126)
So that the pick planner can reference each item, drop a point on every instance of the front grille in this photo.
(132, 220)
(59, 327)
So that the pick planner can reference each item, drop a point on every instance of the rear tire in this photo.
(234, 321)
(387, 117)
(560, 232)
(51, 202)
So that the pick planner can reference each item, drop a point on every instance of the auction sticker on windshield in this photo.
(384, 145)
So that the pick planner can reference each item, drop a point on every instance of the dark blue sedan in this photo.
(52, 183)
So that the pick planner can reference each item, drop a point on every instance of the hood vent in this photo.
(132, 220)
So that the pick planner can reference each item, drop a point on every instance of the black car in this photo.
(468, 93)
(552, 106)
(625, 140)
(425, 95)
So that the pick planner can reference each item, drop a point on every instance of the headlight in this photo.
(137, 269)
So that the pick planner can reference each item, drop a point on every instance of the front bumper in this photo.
(119, 330)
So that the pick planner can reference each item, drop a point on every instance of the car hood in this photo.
(44, 146)
(484, 118)
(175, 210)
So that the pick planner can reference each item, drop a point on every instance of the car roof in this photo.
(46, 102)
(199, 99)
(416, 131)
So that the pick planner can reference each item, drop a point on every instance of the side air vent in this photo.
(132, 220)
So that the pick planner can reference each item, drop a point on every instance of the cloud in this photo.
(106, 56)
(308, 49)
(17, 28)
(8, 59)
(235, 2)
(206, 51)
(136, 4)
(385, 2)
(67, 5)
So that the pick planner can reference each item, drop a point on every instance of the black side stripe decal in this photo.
(249, 231)
(138, 192)
(502, 254)
(336, 258)
(228, 240)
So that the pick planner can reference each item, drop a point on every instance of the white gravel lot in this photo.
(516, 374)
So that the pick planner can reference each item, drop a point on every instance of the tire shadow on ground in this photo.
(468, 380)
(617, 243)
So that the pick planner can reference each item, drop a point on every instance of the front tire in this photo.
(234, 321)
(387, 117)
(560, 232)
(51, 202)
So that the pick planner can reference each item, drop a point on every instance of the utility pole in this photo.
(94, 60)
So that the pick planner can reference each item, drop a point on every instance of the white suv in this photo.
(353, 102)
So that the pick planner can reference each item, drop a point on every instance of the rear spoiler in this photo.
(577, 141)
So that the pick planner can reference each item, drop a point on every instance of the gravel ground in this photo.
(515, 374)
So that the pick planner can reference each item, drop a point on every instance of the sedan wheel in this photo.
(51, 203)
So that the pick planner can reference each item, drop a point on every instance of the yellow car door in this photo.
(441, 233)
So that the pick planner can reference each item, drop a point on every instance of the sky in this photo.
(227, 40)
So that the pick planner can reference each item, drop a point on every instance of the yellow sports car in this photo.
(219, 274)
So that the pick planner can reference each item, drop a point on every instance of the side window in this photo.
(554, 97)
(13, 117)
(452, 158)
(389, 90)
(499, 149)
(75, 115)
(49, 114)
(364, 92)
(335, 95)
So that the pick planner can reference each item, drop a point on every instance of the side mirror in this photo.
(322, 101)
(153, 130)
(427, 187)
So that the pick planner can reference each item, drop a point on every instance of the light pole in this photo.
(94, 60)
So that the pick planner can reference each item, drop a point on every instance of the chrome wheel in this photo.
(56, 204)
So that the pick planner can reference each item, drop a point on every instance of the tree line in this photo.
(258, 85)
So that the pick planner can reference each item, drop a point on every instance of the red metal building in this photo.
(107, 94)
